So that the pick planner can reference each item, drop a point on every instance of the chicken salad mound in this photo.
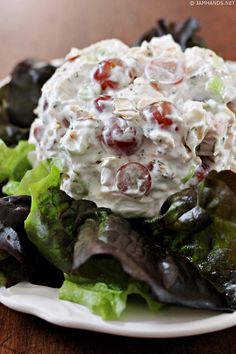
(131, 126)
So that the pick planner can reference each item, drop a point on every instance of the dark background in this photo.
(47, 29)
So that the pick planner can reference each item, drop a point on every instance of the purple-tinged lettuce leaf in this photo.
(184, 33)
(11, 272)
(19, 97)
(20, 259)
(171, 278)
(200, 223)
(13, 212)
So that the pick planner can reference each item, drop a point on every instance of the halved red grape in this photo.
(159, 113)
(109, 84)
(37, 132)
(165, 71)
(133, 178)
(122, 136)
(99, 102)
(103, 73)
(104, 68)
(202, 171)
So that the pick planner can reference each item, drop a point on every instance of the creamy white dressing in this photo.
(158, 109)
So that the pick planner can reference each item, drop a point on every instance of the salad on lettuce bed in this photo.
(185, 255)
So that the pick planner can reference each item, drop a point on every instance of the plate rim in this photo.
(12, 297)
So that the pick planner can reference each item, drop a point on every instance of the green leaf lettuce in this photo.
(14, 161)
(50, 224)
(105, 299)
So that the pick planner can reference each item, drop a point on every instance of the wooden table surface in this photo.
(47, 29)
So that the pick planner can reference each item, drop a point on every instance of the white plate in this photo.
(137, 321)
